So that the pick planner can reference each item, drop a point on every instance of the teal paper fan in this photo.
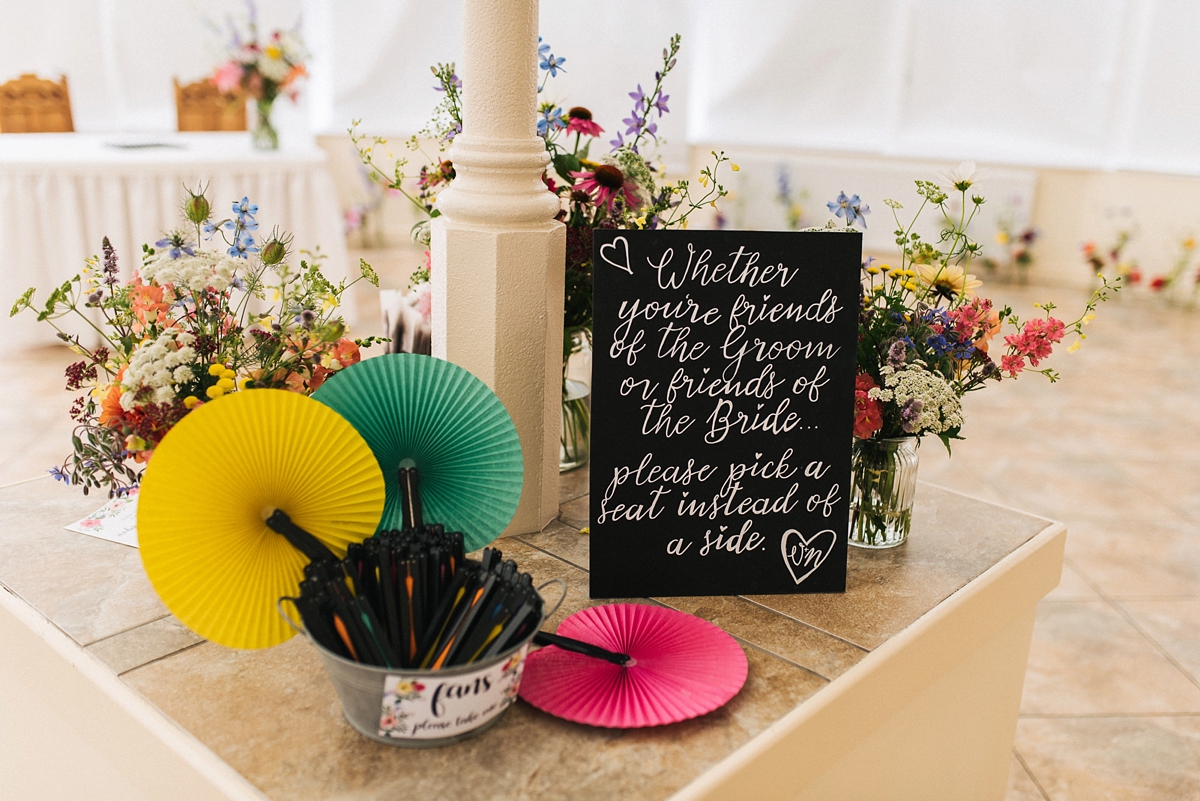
(418, 411)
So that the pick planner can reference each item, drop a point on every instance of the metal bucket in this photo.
(428, 708)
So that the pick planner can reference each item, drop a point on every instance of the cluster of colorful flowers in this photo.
(925, 336)
(619, 189)
(181, 333)
(263, 71)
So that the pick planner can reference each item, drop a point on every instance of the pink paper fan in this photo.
(682, 667)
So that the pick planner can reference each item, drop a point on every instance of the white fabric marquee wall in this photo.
(1073, 83)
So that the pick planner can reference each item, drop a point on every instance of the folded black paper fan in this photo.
(422, 412)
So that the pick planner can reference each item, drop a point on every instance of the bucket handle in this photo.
(286, 618)
(544, 584)
(299, 630)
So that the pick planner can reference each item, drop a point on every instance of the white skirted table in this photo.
(61, 194)
(905, 687)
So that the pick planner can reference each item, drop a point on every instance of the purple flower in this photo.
(639, 98)
(455, 81)
(59, 475)
(896, 354)
(660, 103)
(618, 142)
(178, 246)
(910, 413)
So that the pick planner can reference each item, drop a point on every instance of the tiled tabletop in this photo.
(274, 716)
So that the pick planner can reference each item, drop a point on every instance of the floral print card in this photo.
(115, 521)
(433, 706)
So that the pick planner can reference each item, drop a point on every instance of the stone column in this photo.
(497, 252)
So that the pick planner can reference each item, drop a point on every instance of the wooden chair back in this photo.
(30, 104)
(200, 106)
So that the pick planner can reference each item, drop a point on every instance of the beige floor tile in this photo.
(144, 644)
(573, 485)
(1173, 624)
(1086, 659)
(1141, 559)
(1072, 587)
(575, 513)
(1021, 786)
(1113, 759)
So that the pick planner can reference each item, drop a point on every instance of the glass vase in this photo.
(883, 483)
(264, 136)
(574, 446)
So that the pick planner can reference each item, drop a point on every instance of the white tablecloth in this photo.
(61, 194)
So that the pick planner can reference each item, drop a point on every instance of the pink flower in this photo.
(228, 77)
(1012, 364)
(604, 184)
(579, 121)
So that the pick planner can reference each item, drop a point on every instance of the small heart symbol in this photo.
(760, 406)
(758, 456)
(619, 249)
(724, 527)
(805, 553)
(706, 371)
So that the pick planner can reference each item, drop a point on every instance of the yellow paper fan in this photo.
(210, 486)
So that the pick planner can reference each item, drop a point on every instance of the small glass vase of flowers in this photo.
(191, 325)
(620, 188)
(262, 70)
(926, 339)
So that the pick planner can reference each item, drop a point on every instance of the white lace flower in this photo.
(937, 407)
(159, 365)
(203, 270)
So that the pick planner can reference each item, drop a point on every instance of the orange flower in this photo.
(346, 352)
(147, 303)
(993, 328)
(110, 406)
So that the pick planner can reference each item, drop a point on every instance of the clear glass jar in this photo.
(575, 442)
(883, 484)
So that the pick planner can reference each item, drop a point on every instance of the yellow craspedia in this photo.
(734, 166)
(214, 392)
(228, 374)
(243, 383)
(911, 286)
(873, 270)
(216, 368)
(226, 384)
(190, 402)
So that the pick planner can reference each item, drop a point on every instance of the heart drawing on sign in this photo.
(805, 554)
(613, 252)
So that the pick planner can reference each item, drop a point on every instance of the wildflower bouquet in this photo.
(263, 70)
(1017, 248)
(926, 339)
(620, 188)
(181, 333)
(1114, 259)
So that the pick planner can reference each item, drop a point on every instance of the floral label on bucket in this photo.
(723, 398)
(430, 706)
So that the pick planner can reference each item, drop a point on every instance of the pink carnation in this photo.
(868, 412)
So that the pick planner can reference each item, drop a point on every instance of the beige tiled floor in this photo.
(1112, 696)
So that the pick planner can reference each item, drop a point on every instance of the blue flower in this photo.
(552, 65)
(59, 475)
(851, 208)
(245, 207)
(177, 244)
(551, 120)
(209, 229)
(243, 247)
(543, 49)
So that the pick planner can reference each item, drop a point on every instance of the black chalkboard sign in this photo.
(722, 411)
